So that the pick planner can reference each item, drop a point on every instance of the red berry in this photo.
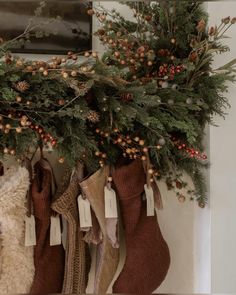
(53, 142)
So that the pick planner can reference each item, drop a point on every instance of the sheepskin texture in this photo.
(16, 260)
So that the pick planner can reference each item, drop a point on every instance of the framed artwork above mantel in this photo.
(71, 33)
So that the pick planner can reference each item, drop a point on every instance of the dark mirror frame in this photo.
(40, 49)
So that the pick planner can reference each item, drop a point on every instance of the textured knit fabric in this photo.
(62, 187)
(147, 254)
(64, 183)
(77, 254)
(108, 256)
(49, 260)
(16, 260)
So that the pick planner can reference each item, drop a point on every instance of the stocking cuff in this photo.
(129, 180)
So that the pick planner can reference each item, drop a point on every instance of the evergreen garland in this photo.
(150, 96)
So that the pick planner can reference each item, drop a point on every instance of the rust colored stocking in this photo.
(49, 260)
(147, 254)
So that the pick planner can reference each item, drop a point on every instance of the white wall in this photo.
(202, 238)
(223, 173)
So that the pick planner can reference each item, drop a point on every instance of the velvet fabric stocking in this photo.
(49, 260)
(147, 254)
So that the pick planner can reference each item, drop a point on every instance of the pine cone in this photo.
(93, 116)
(22, 86)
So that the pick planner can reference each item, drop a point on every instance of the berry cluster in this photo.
(169, 70)
(44, 136)
(191, 152)
(25, 123)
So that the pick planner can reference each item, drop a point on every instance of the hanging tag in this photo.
(84, 212)
(30, 232)
(150, 200)
(157, 195)
(110, 203)
(55, 231)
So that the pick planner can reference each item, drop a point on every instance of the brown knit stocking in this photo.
(49, 260)
(77, 253)
(147, 254)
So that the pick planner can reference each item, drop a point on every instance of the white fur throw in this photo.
(16, 260)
